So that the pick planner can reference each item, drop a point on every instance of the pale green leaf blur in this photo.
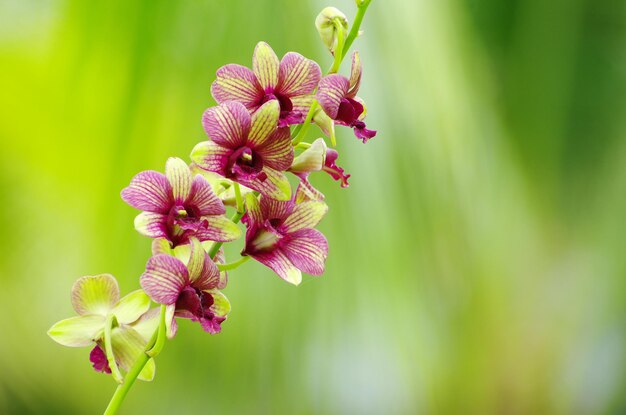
(477, 260)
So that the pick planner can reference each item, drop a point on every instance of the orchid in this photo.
(249, 150)
(116, 328)
(177, 206)
(188, 291)
(337, 97)
(290, 82)
(280, 235)
(242, 167)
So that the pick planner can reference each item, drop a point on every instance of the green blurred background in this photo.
(478, 259)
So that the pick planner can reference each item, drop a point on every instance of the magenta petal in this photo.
(237, 83)
(336, 172)
(164, 278)
(227, 125)
(98, 359)
(355, 75)
(276, 209)
(149, 190)
(265, 66)
(332, 89)
(298, 75)
(280, 264)
(307, 249)
(203, 199)
(211, 157)
(363, 133)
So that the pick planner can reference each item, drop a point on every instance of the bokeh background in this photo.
(478, 258)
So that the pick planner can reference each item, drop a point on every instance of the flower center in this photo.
(244, 162)
(285, 103)
(265, 240)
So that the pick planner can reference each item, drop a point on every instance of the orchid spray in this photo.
(254, 140)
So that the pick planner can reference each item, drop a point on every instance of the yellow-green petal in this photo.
(131, 307)
(95, 294)
(78, 331)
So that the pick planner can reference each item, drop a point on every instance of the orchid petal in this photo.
(275, 184)
(152, 225)
(219, 229)
(196, 260)
(253, 216)
(355, 75)
(301, 104)
(95, 294)
(209, 277)
(171, 326)
(148, 323)
(305, 215)
(264, 122)
(278, 262)
(164, 278)
(220, 258)
(211, 156)
(332, 89)
(237, 83)
(148, 190)
(227, 125)
(311, 159)
(179, 176)
(306, 192)
(298, 75)
(307, 249)
(161, 246)
(336, 172)
(265, 66)
(276, 209)
(277, 151)
(221, 305)
(78, 331)
(127, 346)
(131, 307)
(203, 198)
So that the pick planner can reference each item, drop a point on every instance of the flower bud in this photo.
(326, 23)
(311, 159)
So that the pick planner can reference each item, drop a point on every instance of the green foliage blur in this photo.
(477, 260)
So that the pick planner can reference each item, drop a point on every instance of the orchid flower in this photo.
(290, 82)
(319, 158)
(100, 310)
(189, 291)
(280, 235)
(337, 97)
(178, 206)
(247, 149)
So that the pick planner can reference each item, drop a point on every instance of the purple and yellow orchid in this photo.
(249, 150)
(290, 82)
(178, 206)
(188, 291)
(126, 324)
(337, 97)
(280, 235)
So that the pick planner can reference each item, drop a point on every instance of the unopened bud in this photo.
(327, 22)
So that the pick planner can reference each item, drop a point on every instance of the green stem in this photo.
(131, 377)
(354, 32)
(217, 245)
(238, 197)
(108, 348)
(233, 265)
(161, 335)
(306, 125)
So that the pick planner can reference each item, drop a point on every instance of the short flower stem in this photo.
(233, 265)
(339, 51)
(153, 348)
(108, 348)
(238, 197)
(217, 245)
(306, 125)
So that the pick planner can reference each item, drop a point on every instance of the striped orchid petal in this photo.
(79, 331)
(164, 278)
(275, 184)
(203, 198)
(305, 215)
(332, 89)
(228, 124)
(237, 83)
(95, 294)
(210, 156)
(278, 262)
(263, 122)
(179, 176)
(307, 250)
(265, 66)
(298, 75)
(277, 151)
(356, 72)
(148, 190)
(152, 225)
(219, 229)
